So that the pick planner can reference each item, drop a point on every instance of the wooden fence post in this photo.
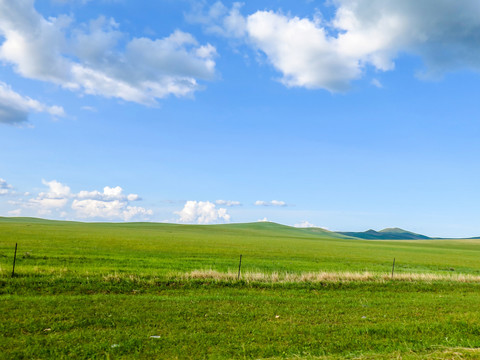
(239, 267)
(393, 267)
(14, 258)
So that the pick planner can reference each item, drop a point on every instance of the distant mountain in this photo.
(386, 234)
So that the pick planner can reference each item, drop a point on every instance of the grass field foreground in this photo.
(169, 291)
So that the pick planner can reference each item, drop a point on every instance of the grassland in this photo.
(103, 290)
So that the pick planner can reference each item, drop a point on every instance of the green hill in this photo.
(386, 234)
(255, 228)
(283, 230)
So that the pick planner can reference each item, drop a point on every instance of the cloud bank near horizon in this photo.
(202, 212)
(57, 200)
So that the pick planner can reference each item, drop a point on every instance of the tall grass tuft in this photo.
(323, 276)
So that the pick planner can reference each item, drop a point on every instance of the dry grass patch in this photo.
(117, 278)
(442, 353)
(319, 277)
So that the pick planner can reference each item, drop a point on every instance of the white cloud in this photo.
(208, 17)
(307, 224)
(304, 224)
(32, 43)
(228, 203)
(56, 189)
(108, 194)
(98, 59)
(108, 209)
(317, 53)
(234, 23)
(133, 197)
(16, 212)
(134, 211)
(219, 20)
(58, 200)
(110, 204)
(442, 32)
(376, 83)
(270, 203)
(5, 188)
(89, 108)
(15, 108)
(263, 220)
(202, 212)
(302, 51)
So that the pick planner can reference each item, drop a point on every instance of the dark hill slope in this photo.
(386, 234)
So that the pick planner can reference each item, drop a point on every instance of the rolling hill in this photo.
(386, 234)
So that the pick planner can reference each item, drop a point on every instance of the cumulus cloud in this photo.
(304, 224)
(270, 203)
(108, 194)
(313, 52)
(263, 220)
(218, 19)
(228, 203)
(110, 210)
(109, 204)
(15, 108)
(302, 51)
(98, 58)
(56, 198)
(202, 212)
(442, 32)
(5, 188)
(133, 197)
(32, 43)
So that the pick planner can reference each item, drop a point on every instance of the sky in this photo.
(341, 114)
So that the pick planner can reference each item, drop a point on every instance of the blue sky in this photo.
(347, 114)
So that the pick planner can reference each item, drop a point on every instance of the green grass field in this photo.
(124, 291)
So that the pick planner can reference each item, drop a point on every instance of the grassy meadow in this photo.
(144, 290)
